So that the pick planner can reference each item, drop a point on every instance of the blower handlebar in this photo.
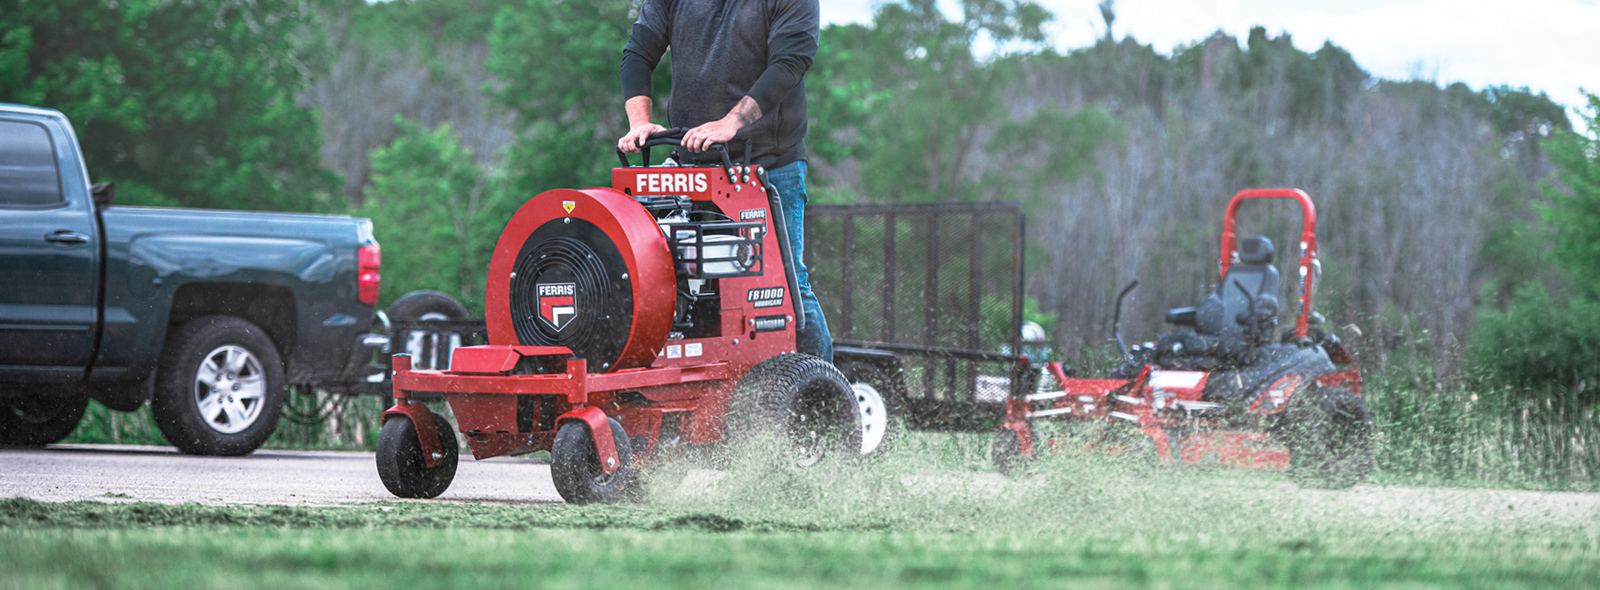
(674, 137)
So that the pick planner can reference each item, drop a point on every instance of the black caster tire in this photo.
(1330, 438)
(36, 421)
(219, 387)
(575, 466)
(804, 400)
(400, 463)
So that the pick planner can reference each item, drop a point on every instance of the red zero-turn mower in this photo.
(625, 323)
(1230, 390)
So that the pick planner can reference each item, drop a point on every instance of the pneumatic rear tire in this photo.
(1331, 438)
(219, 387)
(804, 404)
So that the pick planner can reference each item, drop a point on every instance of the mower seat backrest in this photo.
(1218, 314)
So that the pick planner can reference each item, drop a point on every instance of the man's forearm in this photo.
(638, 109)
(746, 112)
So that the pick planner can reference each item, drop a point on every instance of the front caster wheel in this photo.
(400, 463)
(575, 466)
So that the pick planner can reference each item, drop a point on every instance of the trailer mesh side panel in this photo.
(938, 284)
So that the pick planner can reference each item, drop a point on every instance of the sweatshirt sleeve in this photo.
(646, 45)
(791, 47)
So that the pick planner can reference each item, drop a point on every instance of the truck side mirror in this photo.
(101, 193)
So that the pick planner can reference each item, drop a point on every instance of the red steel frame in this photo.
(1159, 409)
(693, 379)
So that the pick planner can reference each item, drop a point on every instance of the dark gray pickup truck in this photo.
(208, 315)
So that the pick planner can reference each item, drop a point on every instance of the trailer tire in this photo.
(400, 463)
(806, 402)
(424, 305)
(879, 399)
(1330, 438)
(36, 421)
(251, 394)
(575, 466)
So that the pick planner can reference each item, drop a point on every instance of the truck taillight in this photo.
(369, 260)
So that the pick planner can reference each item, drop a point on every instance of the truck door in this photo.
(49, 304)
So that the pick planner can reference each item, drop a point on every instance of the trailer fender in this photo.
(422, 418)
(604, 447)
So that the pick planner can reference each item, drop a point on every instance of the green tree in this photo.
(434, 212)
(185, 102)
(1574, 210)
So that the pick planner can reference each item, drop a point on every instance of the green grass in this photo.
(910, 522)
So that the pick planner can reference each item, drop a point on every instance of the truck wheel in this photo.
(805, 401)
(39, 420)
(400, 464)
(219, 387)
(878, 399)
(1330, 436)
(575, 467)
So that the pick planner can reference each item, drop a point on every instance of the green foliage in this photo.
(559, 61)
(1538, 339)
(189, 102)
(1574, 210)
(430, 206)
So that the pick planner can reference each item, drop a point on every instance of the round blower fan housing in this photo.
(588, 270)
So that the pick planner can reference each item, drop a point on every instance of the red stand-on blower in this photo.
(660, 312)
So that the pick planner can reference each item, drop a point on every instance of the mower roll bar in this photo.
(1308, 243)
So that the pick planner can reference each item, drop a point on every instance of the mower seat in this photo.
(1219, 339)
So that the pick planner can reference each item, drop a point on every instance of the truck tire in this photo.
(419, 306)
(879, 399)
(39, 420)
(805, 402)
(219, 387)
(1330, 438)
(575, 467)
(400, 464)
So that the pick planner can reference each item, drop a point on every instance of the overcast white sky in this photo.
(1547, 45)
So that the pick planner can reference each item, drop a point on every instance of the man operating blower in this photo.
(738, 70)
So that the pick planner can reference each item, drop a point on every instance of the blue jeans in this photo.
(790, 182)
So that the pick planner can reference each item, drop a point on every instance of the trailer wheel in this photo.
(878, 399)
(219, 387)
(39, 420)
(805, 402)
(400, 463)
(1006, 452)
(575, 467)
(1330, 438)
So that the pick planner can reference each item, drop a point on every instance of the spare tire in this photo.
(424, 305)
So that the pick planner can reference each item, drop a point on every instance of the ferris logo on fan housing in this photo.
(768, 297)
(669, 182)
(749, 214)
(556, 305)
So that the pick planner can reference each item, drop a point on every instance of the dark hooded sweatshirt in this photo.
(723, 50)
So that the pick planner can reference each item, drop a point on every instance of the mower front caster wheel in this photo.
(575, 466)
(400, 463)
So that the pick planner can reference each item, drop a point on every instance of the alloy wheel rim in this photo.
(230, 389)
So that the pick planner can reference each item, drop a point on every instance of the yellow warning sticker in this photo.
(568, 205)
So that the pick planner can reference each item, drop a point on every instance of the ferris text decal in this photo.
(771, 323)
(669, 182)
(768, 297)
(749, 214)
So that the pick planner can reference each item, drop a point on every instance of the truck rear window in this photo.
(28, 174)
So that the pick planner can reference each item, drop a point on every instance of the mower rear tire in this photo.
(575, 466)
(400, 463)
(805, 403)
(1330, 438)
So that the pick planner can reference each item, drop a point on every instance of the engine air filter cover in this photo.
(588, 270)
